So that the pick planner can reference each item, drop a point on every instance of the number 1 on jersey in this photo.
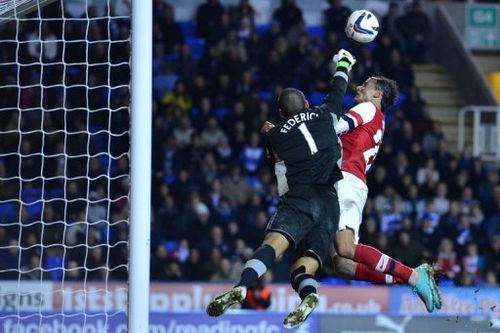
(309, 139)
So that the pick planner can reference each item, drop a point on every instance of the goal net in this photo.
(64, 165)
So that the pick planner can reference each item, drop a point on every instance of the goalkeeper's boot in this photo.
(300, 314)
(222, 302)
(424, 286)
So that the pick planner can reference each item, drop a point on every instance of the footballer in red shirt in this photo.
(361, 130)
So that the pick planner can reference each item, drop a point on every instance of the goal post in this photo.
(75, 165)
(140, 225)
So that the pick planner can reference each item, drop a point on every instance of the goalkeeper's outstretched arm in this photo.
(333, 102)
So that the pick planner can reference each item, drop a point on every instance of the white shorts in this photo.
(352, 193)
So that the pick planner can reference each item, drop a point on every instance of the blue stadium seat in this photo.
(29, 195)
(56, 263)
(348, 100)
(262, 28)
(197, 46)
(188, 27)
(56, 193)
(266, 95)
(316, 98)
(34, 209)
(401, 99)
(170, 178)
(32, 200)
(316, 31)
(171, 246)
(8, 212)
(221, 113)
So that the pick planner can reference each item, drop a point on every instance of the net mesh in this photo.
(64, 162)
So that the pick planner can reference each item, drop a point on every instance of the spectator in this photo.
(414, 105)
(243, 17)
(429, 215)
(477, 216)
(392, 221)
(252, 156)
(210, 169)
(212, 135)
(414, 205)
(208, 17)
(486, 188)
(192, 270)
(74, 272)
(389, 22)
(441, 203)
(472, 263)
(369, 234)
(159, 262)
(221, 30)
(223, 272)
(428, 172)
(258, 297)
(185, 66)
(164, 82)
(447, 259)
(335, 17)
(177, 100)
(491, 280)
(415, 28)
(167, 216)
(407, 250)
(464, 232)
(171, 33)
(450, 220)
(184, 132)
(492, 254)
(288, 15)
(399, 70)
(235, 187)
(172, 272)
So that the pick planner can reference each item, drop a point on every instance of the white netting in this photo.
(64, 165)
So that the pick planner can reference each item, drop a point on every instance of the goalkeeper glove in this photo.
(344, 60)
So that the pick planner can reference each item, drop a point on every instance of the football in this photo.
(362, 26)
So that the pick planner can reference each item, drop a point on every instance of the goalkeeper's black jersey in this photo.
(307, 148)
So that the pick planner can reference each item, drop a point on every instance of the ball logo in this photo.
(358, 28)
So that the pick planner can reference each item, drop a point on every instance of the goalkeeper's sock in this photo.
(380, 262)
(262, 259)
(306, 285)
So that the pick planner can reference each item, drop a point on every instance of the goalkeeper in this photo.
(305, 152)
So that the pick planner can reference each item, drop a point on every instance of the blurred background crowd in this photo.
(216, 79)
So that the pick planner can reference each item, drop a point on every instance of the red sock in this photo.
(364, 273)
(380, 262)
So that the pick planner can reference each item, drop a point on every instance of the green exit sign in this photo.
(482, 30)
(482, 16)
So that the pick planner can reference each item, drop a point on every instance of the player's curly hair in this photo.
(389, 89)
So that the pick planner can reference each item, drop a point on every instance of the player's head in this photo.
(291, 101)
(379, 90)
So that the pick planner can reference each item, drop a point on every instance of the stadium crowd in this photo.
(215, 82)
